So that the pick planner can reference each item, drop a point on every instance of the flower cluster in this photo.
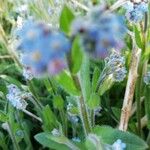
(119, 145)
(115, 65)
(42, 50)
(100, 32)
(16, 97)
(147, 78)
(27, 73)
(135, 10)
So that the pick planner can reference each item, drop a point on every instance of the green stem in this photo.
(36, 100)
(50, 85)
(64, 121)
(84, 115)
(92, 118)
(82, 107)
(148, 139)
(26, 136)
(51, 2)
(138, 98)
(32, 115)
(141, 72)
(10, 129)
(14, 140)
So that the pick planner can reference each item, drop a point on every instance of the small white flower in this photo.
(76, 139)
(19, 22)
(147, 78)
(5, 126)
(27, 73)
(73, 118)
(119, 145)
(23, 8)
(97, 111)
(69, 106)
(55, 132)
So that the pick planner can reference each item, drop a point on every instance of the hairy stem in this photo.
(32, 115)
(117, 4)
(84, 115)
(11, 133)
(130, 88)
(83, 109)
(80, 5)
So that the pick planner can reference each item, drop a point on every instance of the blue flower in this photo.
(115, 66)
(43, 50)
(129, 6)
(143, 7)
(17, 98)
(135, 11)
(100, 32)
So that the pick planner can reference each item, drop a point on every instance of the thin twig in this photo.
(130, 88)
(80, 5)
(134, 107)
(8, 128)
(118, 4)
(144, 122)
(32, 115)
(5, 57)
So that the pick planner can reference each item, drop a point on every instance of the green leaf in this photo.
(95, 78)
(3, 117)
(147, 104)
(138, 37)
(3, 143)
(65, 80)
(93, 142)
(105, 85)
(94, 101)
(58, 102)
(110, 135)
(49, 119)
(76, 56)
(54, 142)
(11, 80)
(85, 78)
(116, 112)
(66, 19)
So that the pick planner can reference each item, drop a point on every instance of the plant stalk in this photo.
(130, 88)
(32, 115)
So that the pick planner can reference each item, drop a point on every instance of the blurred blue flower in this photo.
(100, 32)
(43, 50)
(135, 11)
